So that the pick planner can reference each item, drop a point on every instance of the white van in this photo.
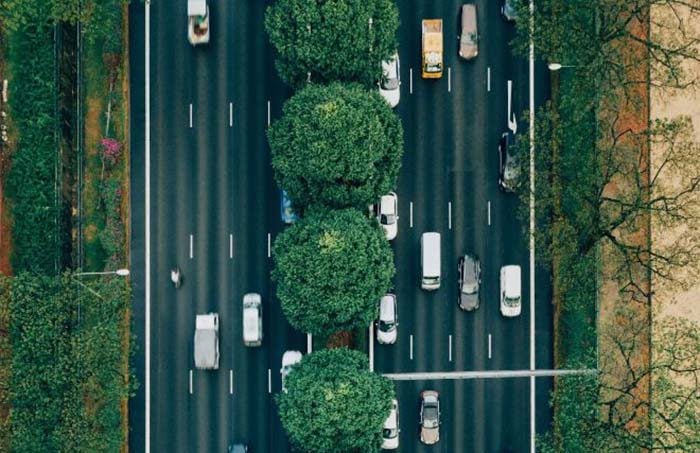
(511, 295)
(430, 261)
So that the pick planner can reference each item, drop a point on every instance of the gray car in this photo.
(469, 270)
(429, 417)
(508, 10)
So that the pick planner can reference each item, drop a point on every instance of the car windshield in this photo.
(386, 326)
(390, 83)
(469, 38)
(388, 219)
(469, 288)
(512, 301)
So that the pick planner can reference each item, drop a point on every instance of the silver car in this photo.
(387, 324)
(469, 269)
(252, 320)
(429, 417)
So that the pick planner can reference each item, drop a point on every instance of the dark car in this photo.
(429, 417)
(238, 448)
(508, 162)
(469, 269)
(508, 10)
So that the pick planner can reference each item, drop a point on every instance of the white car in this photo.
(387, 324)
(252, 320)
(390, 433)
(289, 359)
(511, 296)
(388, 214)
(389, 86)
(206, 342)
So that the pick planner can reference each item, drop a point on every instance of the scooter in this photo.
(176, 277)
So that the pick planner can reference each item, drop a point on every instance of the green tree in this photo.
(337, 145)
(334, 404)
(326, 40)
(331, 269)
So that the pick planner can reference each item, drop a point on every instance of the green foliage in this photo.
(334, 404)
(68, 376)
(331, 269)
(332, 39)
(338, 145)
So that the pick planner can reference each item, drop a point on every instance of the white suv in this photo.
(390, 83)
(511, 295)
(390, 433)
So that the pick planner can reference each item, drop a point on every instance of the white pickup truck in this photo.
(206, 342)
(197, 22)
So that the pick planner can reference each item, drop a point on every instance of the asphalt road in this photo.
(211, 182)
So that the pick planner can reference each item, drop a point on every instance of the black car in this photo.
(508, 10)
(469, 270)
(508, 162)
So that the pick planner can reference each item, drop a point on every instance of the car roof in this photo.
(430, 396)
(512, 278)
(387, 307)
(386, 203)
(291, 357)
(251, 319)
(389, 66)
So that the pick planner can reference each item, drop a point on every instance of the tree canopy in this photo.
(334, 403)
(336, 145)
(331, 269)
(325, 41)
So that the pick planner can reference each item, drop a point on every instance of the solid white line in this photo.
(268, 113)
(371, 348)
(309, 343)
(449, 346)
(190, 382)
(489, 346)
(230, 246)
(449, 215)
(230, 382)
(410, 79)
(410, 208)
(532, 222)
(191, 246)
(269, 380)
(487, 374)
(190, 115)
(269, 245)
(488, 212)
(488, 78)
(410, 340)
(230, 114)
(147, 98)
(449, 79)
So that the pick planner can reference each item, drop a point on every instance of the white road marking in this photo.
(371, 348)
(488, 78)
(532, 222)
(410, 340)
(230, 246)
(191, 246)
(487, 374)
(449, 79)
(269, 380)
(147, 99)
(268, 113)
(449, 341)
(449, 215)
(190, 115)
(489, 346)
(309, 343)
(410, 208)
(488, 212)
(190, 381)
(230, 114)
(230, 382)
(410, 80)
(269, 245)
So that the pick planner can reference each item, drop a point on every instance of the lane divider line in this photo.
(230, 382)
(230, 246)
(449, 79)
(269, 380)
(410, 341)
(190, 381)
(449, 340)
(191, 246)
(488, 78)
(449, 215)
(268, 112)
(410, 80)
(309, 343)
(230, 114)
(488, 212)
(269, 245)
(190, 115)
(410, 207)
(371, 348)
(489, 346)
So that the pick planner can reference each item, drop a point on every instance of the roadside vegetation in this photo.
(327, 41)
(336, 150)
(333, 403)
(596, 191)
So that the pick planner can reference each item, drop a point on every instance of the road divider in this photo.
(487, 374)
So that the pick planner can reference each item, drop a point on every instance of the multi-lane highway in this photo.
(211, 206)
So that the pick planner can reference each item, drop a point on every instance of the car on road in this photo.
(430, 261)
(388, 214)
(429, 417)
(511, 295)
(238, 448)
(387, 324)
(287, 213)
(469, 271)
(206, 341)
(252, 319)
(469, 37)
(389, 85)
(508, 162)
(390, 432)
(508, 10)
(289, 359)
(198, 29)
